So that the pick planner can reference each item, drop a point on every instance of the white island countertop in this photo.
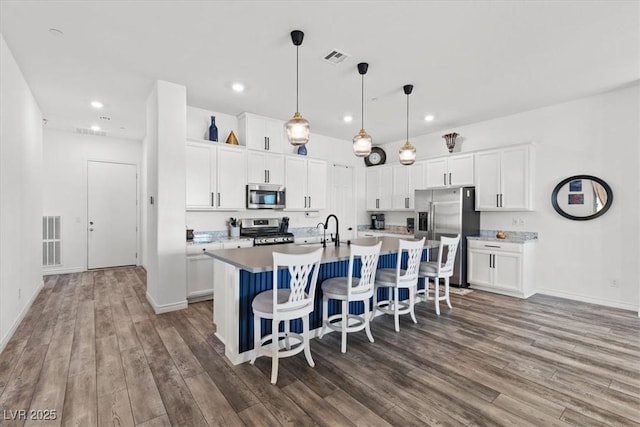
(259, 258)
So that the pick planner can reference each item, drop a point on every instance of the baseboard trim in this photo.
(54, 271)
(12, 330)
(592, 300)
(166, 308)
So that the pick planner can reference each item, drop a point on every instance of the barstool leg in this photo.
(446, 291)
(256, 338)
(325, 315)
(396, 315)
(367, 327)
(287, 332)
(412, 303)
(344, 324)
(274, 350)
(305, 341)
(375, 304)
(436, 294)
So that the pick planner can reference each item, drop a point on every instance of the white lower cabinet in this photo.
(501, 267)
(200, 267)
(200, 272)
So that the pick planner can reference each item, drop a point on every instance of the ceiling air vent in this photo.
(85, 131)
(335, 57)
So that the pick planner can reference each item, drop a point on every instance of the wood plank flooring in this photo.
(92, 350)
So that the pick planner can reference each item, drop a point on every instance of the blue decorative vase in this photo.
(213, 130)
(302, 150)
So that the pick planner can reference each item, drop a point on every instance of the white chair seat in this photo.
(386, 277)
(263, 302)
(429, 268)
(336, 288)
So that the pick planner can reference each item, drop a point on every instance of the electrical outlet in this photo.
(613, 283)
(514, 221)
(521, 222)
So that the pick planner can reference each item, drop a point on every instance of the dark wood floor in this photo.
(92, 350)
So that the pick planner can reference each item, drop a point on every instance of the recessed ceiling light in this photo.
(429, 117)
(96, 104)
(237, 87)
(347, 119)
(55, 32)
(95, 128)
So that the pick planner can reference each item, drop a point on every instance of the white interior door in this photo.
(111, 214)
(342, 202)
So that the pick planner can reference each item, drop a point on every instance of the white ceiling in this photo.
(468, 60)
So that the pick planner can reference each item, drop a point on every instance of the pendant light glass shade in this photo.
(297, 127)
(362, 141)
(407, 152)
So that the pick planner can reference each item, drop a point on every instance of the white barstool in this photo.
(348, 289)
(437, 270)
(396, 279)
(285, 305)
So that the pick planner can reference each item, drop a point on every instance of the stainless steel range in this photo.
(266, 231)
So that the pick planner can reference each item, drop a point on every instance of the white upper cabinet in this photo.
(379, 191)
(212, 177)
(261, 133)
(406, 179)
(450, 171)
(265, 168)
(305, 183)
(503, 179)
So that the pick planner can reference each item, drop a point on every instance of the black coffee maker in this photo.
(377, 221)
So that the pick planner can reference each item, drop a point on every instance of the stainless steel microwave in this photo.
(265, 196)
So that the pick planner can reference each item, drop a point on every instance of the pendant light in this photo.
(297, 127)
(407, 152)
(362, 141)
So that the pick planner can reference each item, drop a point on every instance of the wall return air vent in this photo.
(86, 131)
(335, 57)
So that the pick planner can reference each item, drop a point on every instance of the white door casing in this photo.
(111, 214)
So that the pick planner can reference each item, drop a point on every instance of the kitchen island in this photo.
(240, 274)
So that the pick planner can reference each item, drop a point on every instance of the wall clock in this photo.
(376, 157)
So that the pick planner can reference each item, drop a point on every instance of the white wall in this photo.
(166, 180)
(20, 195)
(596, 136)
(322, 147)
(65, 157)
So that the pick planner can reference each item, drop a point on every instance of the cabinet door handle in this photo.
(501, 200)
(218, 199)
(265, 143)
(309, 201)
(492, 246)
(497, 200)
(268, 143)
(212, 201)
(449, 178)
(444, 176)
(305, 201)
(265, 176)
(490, 261)
(268, 175)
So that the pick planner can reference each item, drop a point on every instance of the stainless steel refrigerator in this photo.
(448, 212)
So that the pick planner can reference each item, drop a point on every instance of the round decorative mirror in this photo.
(582, 197)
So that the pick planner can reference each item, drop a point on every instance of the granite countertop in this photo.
(259, 258)
(399, 232)
(204, 241)
(512, 236)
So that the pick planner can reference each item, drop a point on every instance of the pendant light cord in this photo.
(362, 105)
(297, 90)
(407, 117)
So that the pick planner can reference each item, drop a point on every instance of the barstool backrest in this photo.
(300, 266)
(414, 248)
(451, 243)
(369, 257)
